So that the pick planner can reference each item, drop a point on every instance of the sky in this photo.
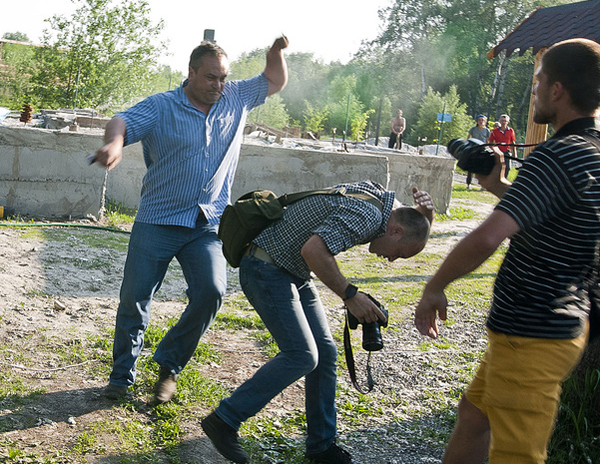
(331, 29)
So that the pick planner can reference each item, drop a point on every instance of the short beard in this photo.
(540, 118)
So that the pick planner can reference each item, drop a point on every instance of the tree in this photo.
(16, 36)
(101, 57)
(15, 75)
(434, 43)
(248, 64)
(358, 125)
(272, 113)
(427, 124)
(163, 79)
(308, 82)
(314, 119)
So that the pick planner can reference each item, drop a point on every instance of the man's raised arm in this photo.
(276, 69)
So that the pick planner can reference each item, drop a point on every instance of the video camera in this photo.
(472, 155)
(475, 156)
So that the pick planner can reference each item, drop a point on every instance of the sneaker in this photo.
(114, 392)
(332, 455)
(165, 385)
(224, 437)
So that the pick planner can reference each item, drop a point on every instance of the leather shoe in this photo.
(224, 437)
(165, 385)
(332, 455)
(114, 392)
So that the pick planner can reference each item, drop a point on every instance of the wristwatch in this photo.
(350, 292)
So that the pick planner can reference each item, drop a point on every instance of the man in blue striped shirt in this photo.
(538, 323)
(191, 139)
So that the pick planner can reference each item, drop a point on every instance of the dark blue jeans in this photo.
(151, 249)
(292, 311)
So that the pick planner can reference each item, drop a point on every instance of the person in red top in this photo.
(504, 134)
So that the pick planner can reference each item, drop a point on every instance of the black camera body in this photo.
(472, 155)
(372, 340)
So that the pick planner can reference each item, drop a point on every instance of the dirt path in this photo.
(65, 292)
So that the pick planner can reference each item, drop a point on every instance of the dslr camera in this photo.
(472, 155)
(371, 340)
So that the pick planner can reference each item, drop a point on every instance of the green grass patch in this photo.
(237, 321)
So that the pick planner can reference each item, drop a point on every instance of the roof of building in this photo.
(547, 26)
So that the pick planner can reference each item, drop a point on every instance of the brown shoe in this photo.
(165, 386)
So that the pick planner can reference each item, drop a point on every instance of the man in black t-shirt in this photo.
(538, 322)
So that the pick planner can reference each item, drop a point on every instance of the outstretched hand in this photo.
(429, 306)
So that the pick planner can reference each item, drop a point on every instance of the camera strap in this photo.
(351, 365)
(518, 145)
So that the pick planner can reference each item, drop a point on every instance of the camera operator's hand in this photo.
(432, 302)
(495, 181)
(363, 309)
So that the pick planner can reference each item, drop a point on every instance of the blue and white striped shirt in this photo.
(191, 157)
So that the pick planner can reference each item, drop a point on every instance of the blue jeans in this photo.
(293, 313)
(151, 249)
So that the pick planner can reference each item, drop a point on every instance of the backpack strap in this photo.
(289, 198)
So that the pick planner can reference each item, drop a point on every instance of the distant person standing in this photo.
(505, 134)
(479, 132)
(398, 126)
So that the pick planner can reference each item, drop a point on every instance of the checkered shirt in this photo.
(341, 221)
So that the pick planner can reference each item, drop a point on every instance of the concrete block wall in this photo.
(286, 170)
(433, 174)
(43, 173)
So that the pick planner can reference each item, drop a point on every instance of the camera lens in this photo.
(472, 155)
(372, 337)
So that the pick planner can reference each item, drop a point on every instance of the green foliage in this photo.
(272, 113)
(15, 75)
(347, 112)
(434, 103)
(576, 436)
(308, 81)
(358, 124)
(100, 57)
(426, 44)
(314, 119)
(248, 65)
(17, 36)
(163, 79)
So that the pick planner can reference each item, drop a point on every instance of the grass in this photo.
(132, 432)
(576, 437)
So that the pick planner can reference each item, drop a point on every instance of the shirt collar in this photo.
(577, 126)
